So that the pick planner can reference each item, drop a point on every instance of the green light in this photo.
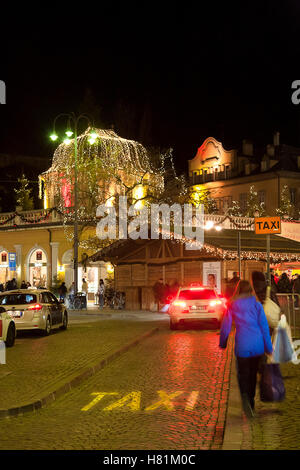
(93, 135)
(92, 141)
(53, 137)
(67, 141)
(69, 133)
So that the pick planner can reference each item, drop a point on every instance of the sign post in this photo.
(267, 226)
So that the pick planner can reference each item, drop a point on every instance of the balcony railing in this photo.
(50, 216)
(32, 217)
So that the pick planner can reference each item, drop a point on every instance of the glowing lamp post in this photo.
(73, 122)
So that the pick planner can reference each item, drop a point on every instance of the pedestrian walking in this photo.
(23, 285)
(72, 295)
(101, 292)
(252, 340)
(85, 291)
(159, 291)
(231, 286)
(284, 285)
(62, 291)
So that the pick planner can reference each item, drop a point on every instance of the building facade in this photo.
(228, 174)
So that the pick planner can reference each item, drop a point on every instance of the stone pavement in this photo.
(30, 373)
(169, 392)
(276, 425)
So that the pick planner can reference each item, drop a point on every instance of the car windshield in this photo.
(197, 294)
(17, 299)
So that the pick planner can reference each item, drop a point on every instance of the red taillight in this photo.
(35, 307)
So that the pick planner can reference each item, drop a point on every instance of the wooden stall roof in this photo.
(221, 244)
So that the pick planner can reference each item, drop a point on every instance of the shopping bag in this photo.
(271, 383)
(282, 347)
(271, 309)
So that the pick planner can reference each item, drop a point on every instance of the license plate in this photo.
(198, 307)
(16, 313)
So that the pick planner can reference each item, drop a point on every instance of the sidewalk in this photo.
(276, 425)
(39, 369)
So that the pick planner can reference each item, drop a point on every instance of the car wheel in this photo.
(173, 325)
(65, 322)
(10, 337)
(47, 329)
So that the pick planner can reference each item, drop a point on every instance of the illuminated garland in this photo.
(31, 221)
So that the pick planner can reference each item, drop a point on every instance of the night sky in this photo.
(165, 78)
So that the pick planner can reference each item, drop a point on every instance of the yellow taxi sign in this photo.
(264, 225)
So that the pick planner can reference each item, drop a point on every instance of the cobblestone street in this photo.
(168, 392)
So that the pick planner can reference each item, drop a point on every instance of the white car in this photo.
(34, 309)
(7, 329)
(196, 304)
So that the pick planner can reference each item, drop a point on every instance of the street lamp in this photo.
(73, 122)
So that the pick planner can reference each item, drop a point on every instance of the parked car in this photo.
(34, 309)
(196, 304)
(7, 328)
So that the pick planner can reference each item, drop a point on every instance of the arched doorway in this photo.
(38, 268)
(67, 261)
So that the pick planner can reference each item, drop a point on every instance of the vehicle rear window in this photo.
(197, 294)
(17, 299)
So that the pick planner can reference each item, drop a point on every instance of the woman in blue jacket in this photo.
(252, 340)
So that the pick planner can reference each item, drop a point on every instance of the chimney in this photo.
(276, 139)
(247, 147)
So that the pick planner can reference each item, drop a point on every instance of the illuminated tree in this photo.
(234, 210)
(108, 168)
(253, 206)
(286, 208)
(23, 194)
(199, 196)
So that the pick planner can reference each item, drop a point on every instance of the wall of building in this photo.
(137, 280)
(54, 253)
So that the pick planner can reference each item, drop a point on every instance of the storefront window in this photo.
(38, 269)
(4, 270)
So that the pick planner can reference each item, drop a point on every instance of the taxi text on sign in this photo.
(265, 225)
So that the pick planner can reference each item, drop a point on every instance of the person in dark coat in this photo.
(159, 291)
(252, 340)
(284, 285)
(62, 291)
(23, 285)
(231, 286)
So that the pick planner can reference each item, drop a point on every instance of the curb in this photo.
(74, 381)
(233, 435)
(237, 435)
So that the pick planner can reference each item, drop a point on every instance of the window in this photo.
(3, 257)
(197, 294)
(293, 195)
(17, 299)
(262, 197)
(47, 298)
(243, 201)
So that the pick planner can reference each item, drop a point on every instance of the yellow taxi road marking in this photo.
(99, 397)
(192, 400)
(164, 401)
(132, 401)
